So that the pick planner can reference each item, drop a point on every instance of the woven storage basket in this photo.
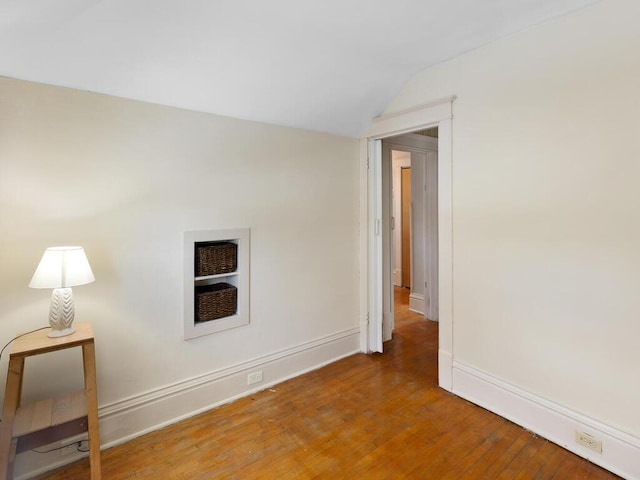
(215, 301)
(214, 258)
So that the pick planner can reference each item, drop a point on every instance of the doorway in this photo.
(405, 227)
(374, 237)
(410, 223)
(401, 216)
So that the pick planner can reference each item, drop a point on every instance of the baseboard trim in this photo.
(416, 303)
(137, 415)
(152, 396)
(550, 420)
(445, 366)
(397, 278)
(364, 335)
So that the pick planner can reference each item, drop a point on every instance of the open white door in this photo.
(388, 318)
(375, 245)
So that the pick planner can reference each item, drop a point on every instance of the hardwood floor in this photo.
(364, 417)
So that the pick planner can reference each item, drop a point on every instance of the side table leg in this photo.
(11, 404)
(90, 386)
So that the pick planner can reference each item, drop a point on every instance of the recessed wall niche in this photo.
(216, 281)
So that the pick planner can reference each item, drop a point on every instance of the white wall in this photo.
(125, 179)
(546, 151)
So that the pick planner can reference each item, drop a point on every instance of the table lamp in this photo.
(62, 268)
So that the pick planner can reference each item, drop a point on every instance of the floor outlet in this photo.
(588, 441)
(255, 377)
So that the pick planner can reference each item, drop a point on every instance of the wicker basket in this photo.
(214, 258)
(215, 301)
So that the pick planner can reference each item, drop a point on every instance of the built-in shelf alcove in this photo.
(216, 281)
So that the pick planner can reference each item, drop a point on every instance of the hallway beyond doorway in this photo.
(403, 315)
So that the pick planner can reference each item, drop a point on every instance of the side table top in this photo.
(38, 342)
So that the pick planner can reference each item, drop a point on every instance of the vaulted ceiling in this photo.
(325, 65)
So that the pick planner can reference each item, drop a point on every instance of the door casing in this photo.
(424, 157)
(436, 114)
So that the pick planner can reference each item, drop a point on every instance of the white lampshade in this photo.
(62, 267)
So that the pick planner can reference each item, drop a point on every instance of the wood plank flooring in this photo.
(364, 417)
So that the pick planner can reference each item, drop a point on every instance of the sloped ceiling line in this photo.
(328, 66)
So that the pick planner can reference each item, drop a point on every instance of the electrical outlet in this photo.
(588, 441)
(255, 377)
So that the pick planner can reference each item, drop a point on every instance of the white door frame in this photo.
(440, 114)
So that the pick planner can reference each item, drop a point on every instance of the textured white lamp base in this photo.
(61, 312)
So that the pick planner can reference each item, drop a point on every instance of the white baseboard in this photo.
(397, 277)
(445, 366)
(134, 416)
(416, 303)
(364, 335)
(620, 450)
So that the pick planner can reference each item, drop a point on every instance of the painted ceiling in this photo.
(329, 65)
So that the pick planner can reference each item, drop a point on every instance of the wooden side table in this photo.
(25, 427)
